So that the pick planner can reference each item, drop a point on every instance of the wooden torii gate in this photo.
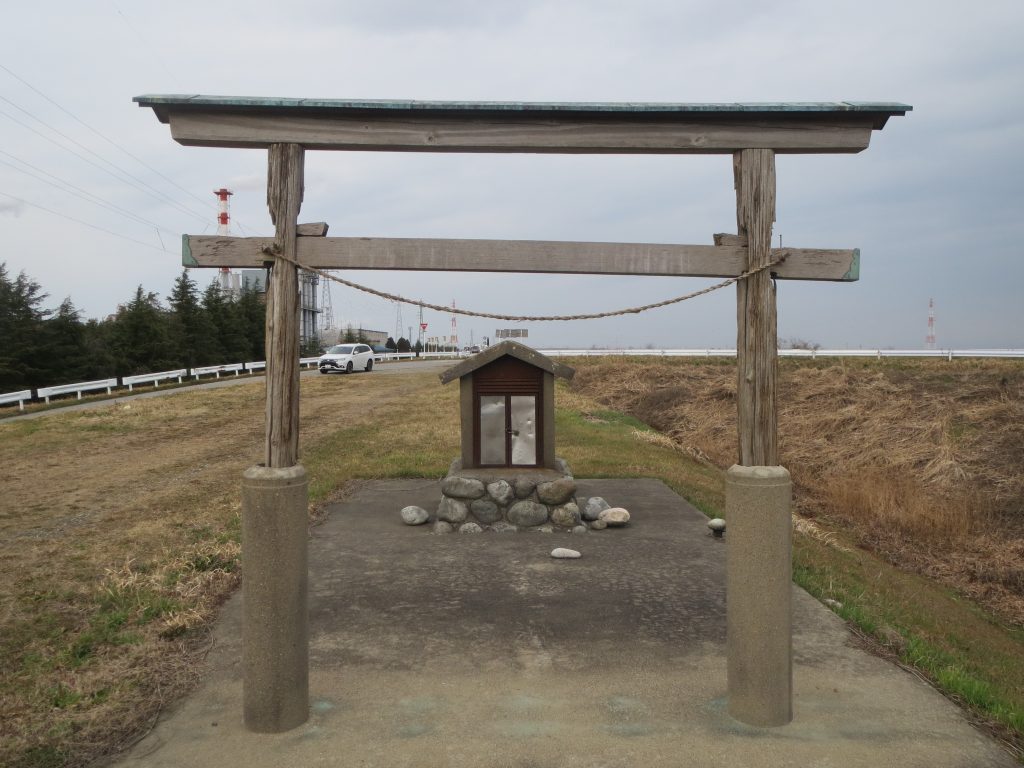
(758, 491)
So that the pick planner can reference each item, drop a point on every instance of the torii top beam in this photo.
(534, 127)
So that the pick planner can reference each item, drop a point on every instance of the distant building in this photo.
(309, 311)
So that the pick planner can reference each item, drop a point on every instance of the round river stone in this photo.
(524, 487)
(527, 513)
(614, 516)
(565, 554)
(485, 511)
(414, 515)
(462, 487)
(566, 516)
(452, 511)
(594, 507)
(501, 492)
(557, 491)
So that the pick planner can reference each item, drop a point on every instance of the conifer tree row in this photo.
(44, 347)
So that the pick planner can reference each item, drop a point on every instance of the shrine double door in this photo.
(508, 430)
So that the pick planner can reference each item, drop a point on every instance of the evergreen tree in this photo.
(140, 336)
(232, 341)
(21, 324)
(253, 313)
(98, 349)
(193, 333)
(62, 348)
(403, 345)
(390, 344)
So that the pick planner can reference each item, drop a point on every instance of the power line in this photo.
(83, 223)
(110, 141)
(132, 180)
(83, 194)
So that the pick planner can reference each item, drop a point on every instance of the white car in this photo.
(345, 358)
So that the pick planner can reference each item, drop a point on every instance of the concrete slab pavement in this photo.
(482, 650)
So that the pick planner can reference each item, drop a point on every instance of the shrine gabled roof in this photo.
(511, 349)
(520, 126)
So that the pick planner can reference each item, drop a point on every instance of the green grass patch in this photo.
(601, 443)
(967, 653)
(420, 439)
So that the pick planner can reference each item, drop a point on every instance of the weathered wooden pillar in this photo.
(284, 198)
(275, 643)
(758, 492)
(756, 321)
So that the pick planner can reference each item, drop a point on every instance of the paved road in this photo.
(380, 369)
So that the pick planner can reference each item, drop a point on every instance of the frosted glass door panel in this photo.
(524, 430)
(492, 429)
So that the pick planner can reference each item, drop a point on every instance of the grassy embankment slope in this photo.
(909, 499)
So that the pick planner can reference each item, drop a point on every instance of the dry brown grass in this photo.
(118, 541)
(923, 461)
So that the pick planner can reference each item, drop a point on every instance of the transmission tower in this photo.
(455, 329)
(398, 321)
(929, 340)
(326, 309)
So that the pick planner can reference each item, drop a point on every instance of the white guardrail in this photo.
(16, 397)
(45, 393)
(945, 354)
(87, 386)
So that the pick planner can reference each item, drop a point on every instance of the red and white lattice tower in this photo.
(224, 230)
(455, 329)
(929, 340)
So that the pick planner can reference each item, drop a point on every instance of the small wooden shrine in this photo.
(507, 406)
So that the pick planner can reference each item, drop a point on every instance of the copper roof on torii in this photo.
(521, 126)
(161, 104)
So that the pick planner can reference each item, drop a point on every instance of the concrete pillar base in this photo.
(275, 629)
(759, 616)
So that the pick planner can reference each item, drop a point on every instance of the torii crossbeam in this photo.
(757, 489)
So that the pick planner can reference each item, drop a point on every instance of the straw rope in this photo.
(275, 251)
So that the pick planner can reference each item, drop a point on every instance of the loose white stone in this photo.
(565, 554)
(579, 529)
(614, 516)
(414, 515)
(470, 528)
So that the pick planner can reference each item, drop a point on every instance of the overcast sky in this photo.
(935, 203)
